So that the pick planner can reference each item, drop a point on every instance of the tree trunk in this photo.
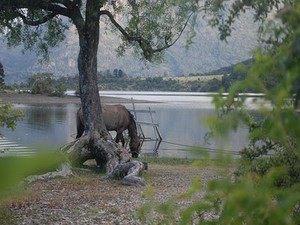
(96, 142)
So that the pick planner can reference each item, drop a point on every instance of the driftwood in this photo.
(129, 173)
(65, 170)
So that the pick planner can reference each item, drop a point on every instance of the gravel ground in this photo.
(88, 199)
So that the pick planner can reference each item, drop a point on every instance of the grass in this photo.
(204, 78)
(151, 160)
(220, 161)
(167, 160)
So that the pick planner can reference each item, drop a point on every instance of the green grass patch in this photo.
(167, 160)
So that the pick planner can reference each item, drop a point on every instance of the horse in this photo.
(116, 118)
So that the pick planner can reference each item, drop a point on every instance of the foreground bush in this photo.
(266, 187)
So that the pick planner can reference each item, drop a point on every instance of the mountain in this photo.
(207, 53)
(229, 69)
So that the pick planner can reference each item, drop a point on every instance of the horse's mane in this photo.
(132, 130)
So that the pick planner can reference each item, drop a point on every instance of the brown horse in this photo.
(116, 118)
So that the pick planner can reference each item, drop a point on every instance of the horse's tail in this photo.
(79, 124)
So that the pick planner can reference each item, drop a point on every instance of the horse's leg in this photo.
(122, 139)
(119, 137)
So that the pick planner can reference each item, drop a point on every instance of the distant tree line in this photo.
(112, 81)
(118, 80)
(45, 83)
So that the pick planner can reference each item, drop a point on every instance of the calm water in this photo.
(180, 118)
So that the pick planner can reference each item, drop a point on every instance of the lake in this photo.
(180, 117)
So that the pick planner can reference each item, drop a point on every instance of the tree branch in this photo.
(62, 7)
(179, 35)
(42, 20)
(51, 8)
(119, 27)
(144, 44)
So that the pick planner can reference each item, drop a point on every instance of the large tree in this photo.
(148, 26)
(2, 75)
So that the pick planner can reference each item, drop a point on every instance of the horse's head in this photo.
(135, 147)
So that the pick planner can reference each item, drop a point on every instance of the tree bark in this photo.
(87, 66)
(96, 143)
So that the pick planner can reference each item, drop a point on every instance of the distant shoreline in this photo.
(25, 98)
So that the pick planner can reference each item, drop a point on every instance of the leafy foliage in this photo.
(44, 83)
(154, 26)
(9, 116)
(278, 132)
(223, 14)
(14, 169)
(267, 182)
(274, 134)
(246, 201)
(150, 27)
(38, 39)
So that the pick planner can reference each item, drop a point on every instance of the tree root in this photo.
(106, 152)
(109, 155)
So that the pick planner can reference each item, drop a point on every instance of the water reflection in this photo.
(43, 117)
(48, 126)
(182, 128)
(179, 124)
